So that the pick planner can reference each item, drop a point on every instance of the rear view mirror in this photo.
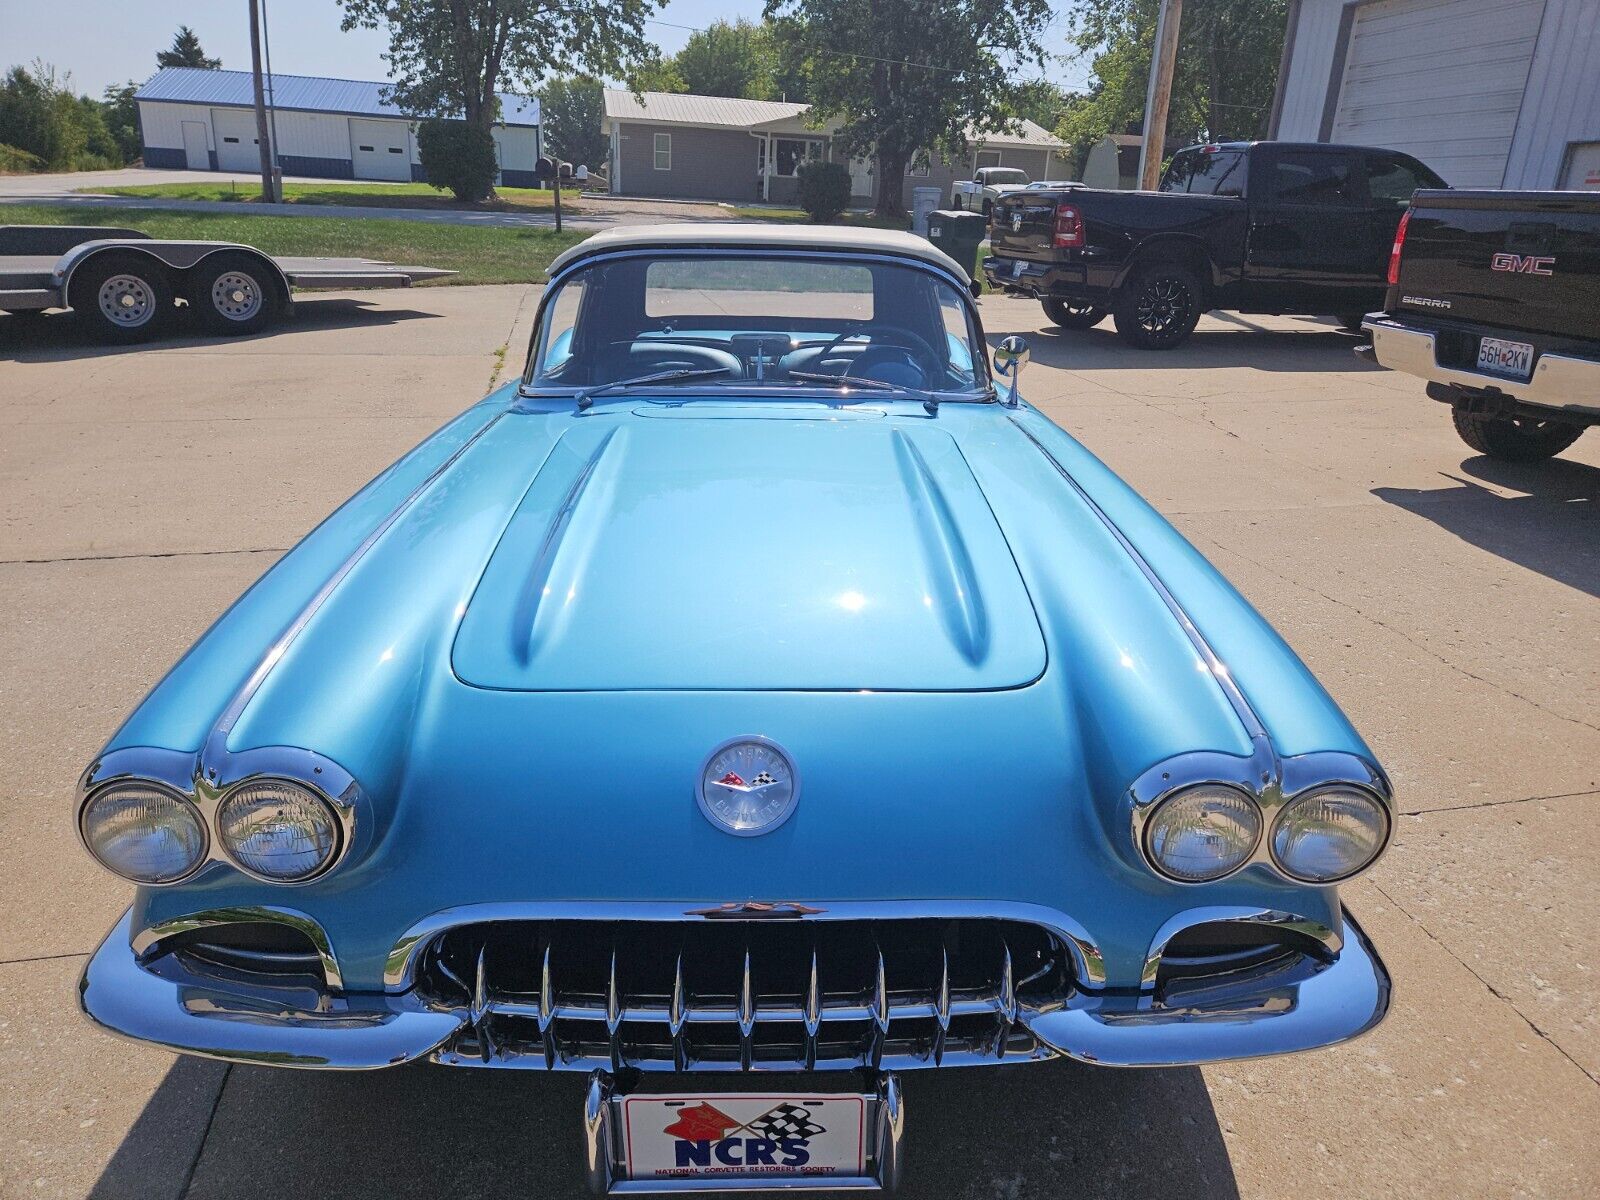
(1009, 359)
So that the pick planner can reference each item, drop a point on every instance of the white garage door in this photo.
(1440, 79)
(235, 130)
(380, 149)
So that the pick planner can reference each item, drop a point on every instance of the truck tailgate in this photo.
(1023, 224)
(1515, 260)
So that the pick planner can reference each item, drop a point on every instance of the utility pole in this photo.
(263, 142)
(1159, 95)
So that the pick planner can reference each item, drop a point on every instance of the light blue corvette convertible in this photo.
(754, 687)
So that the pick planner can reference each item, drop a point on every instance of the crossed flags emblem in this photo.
(706, 1123)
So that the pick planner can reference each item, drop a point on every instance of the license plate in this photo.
(1505, 358)
(1017, 268)
(742, 1136)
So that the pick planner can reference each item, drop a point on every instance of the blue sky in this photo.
(108, 41)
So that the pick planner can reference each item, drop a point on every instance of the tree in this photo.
(906, 76)
(655, 72)
(449, 58)
(121, 113)
(1222, 86)
(730, 58)
(572, 111)
(185, 51)
(1041, 102)
(40, 115)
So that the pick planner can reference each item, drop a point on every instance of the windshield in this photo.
(1004, 175)
(760, 323)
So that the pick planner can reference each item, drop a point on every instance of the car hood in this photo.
(708, 552)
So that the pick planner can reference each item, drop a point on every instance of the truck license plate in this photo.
(744, 1136)
(1514, 359)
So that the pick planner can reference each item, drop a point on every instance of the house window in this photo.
(663, 152)
(789, 153)
(986, 158)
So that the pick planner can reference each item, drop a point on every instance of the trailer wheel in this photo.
(1514, 439)
(233, 294)
(122, 298)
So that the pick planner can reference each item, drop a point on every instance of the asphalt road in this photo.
(1448, 601)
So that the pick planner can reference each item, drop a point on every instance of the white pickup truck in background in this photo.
(987, 185)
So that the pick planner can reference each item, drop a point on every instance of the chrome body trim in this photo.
(1264, 775)
(1562, 383)
(1277, 1010)
(207, 787)
(163, 1004)
(148, 942)
(583, 262)
(1331, 940)
(1088, 963)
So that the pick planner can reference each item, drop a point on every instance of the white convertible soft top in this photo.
(751, 235)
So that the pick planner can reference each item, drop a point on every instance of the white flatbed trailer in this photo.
(124, 285)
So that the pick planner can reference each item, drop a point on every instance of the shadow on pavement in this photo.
(1035, 1131)
(1320, 346)
(57, 337)
(1552, 528)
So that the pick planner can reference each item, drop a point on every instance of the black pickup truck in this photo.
(1259, 227)
(1494, 299)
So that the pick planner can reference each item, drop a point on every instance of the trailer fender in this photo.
(175, 256)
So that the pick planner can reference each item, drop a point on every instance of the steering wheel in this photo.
(890, 338)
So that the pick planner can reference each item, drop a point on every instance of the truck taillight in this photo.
(1069, 226)
(1399, 245)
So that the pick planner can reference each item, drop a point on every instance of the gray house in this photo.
(749, 151)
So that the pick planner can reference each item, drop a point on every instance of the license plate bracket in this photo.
(1513, 360)
(742, 1141)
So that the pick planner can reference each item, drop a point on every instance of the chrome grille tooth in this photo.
(675, 1018)
(614, 1015)
(880, 1013)
(547, 1011)
(813, 1013)
(480, 1008)
(747, 1016)
(1007, 1001)
(941, 1007)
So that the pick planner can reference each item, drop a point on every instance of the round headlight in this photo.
(1328, 835)
(1202, 832)
(143, 832)
(278, 830)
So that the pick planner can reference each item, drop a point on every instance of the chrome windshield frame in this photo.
(982, 393)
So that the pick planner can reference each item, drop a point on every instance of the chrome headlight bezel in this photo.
(192, 778)
(183, 804)
(1222, 791)
(308, 793)
(1376, 806)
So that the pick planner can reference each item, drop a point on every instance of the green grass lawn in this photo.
(481, 255)
(370, 195)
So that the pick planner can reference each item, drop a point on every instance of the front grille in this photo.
(736, 995)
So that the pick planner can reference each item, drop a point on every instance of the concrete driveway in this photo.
(1448, 601)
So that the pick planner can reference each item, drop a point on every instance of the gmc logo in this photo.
(1522, 264)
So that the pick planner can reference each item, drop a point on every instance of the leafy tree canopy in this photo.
(55, 129)
(655, 72)
(449, 57)
(1222, 85)
(572, 109)
(739, 58)
(916, 74)
(185, 51)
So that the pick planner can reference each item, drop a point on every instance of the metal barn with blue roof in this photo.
(332, 128)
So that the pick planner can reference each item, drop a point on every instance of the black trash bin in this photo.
(959, 234)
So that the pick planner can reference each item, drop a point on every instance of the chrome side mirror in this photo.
(1009, 359)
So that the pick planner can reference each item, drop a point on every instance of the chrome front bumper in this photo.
(160, 1000)
(1561, 382)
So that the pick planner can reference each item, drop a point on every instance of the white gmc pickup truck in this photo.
(986, 186)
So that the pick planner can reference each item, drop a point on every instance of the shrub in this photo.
(824, 190)
(458, 157)
(18, 162)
